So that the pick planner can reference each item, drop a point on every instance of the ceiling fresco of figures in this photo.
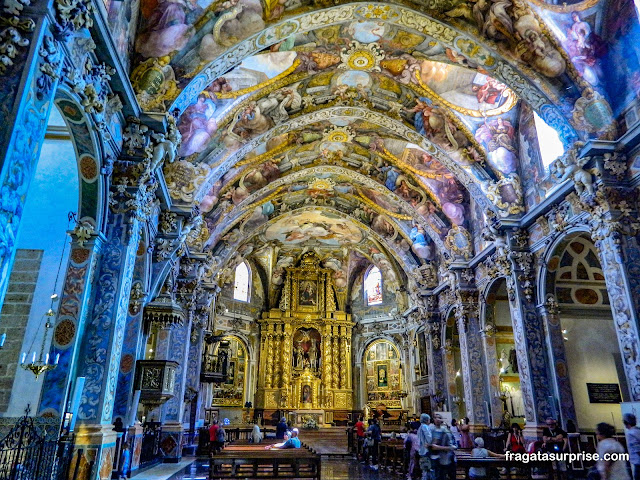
(374, 127)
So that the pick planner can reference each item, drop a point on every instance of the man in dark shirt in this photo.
(555, 440)
(281, 428)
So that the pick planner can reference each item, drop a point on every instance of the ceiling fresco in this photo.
(384, 129)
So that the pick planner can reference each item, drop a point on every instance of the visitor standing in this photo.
(281, 428)
(359, 428)
(412, 448)
(465, 435)
(607, 445)
(376, 435)
(213, 432)
(632, 433)
(424, 437)
(441, 447)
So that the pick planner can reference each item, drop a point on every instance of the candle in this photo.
(34, 357)
(57, 358)
(3, 337)
(46, 358)
(24, 357)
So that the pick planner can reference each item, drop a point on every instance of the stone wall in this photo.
(15, 315)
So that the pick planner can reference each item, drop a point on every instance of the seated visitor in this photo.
(292, 442)
(256, 434)
(480, 452)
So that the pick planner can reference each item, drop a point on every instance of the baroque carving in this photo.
(12, 36)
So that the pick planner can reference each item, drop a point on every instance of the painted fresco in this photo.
(622, 61)
(314, 226)
(123, 19)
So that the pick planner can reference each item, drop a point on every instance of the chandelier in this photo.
(42, 362)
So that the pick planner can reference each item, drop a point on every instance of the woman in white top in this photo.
(478, 473)
(256, 435)
(611, 469)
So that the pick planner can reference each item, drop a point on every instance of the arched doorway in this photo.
(36, 279)
(588, 336)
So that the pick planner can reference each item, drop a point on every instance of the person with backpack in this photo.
(375, 434)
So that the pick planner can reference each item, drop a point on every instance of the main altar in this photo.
(305, 351)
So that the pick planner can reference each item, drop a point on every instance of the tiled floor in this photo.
(331, 470)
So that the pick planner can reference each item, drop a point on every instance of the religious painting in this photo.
(306, 394)
(466, 90)
(307, 349)
(308, 294)
(382, 370)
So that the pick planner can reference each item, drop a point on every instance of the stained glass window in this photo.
(373, 287)
(241, 285)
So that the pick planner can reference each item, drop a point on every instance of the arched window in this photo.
(373, 286)
(241, 284)
(551, 146)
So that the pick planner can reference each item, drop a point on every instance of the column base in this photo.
(94, 451)
(135, 437)
(171, 442)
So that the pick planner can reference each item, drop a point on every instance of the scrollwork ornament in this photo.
(49, 68)
(168, 222)
(616, 164)
(72, 15)
(551, 304)
(83, 232)
(13, 27)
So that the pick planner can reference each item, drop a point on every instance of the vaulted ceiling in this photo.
(380, 128)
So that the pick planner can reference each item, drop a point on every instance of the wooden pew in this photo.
(247, 460)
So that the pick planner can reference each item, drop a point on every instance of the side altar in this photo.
(305, 349)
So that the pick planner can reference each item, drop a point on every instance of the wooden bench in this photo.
(247, 460)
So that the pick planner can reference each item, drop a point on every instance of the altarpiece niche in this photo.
(306, 347)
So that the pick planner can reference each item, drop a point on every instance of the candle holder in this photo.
(42, 365)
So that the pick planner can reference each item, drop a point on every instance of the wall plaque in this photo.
(604, 393)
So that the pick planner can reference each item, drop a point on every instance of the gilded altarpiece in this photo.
(305, 349)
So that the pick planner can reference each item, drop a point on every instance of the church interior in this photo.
(238, 211)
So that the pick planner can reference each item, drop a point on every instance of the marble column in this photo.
(555, 343)
(72, 315)
(173, 411)
(99, 359)
(529, 337)
(27, 88)
(473, 364)
(451, 388)
(619, 254)
(133, 343)
(493, 374)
